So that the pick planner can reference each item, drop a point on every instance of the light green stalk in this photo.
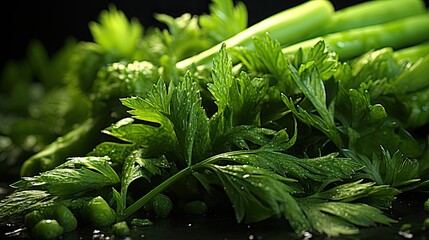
(371, 13)
(412, 54)
(354, 42)
(289, 26)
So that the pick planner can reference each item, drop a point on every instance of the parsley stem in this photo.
(168, 182)
(152, 193)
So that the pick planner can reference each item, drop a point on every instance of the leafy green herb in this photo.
(322, 133)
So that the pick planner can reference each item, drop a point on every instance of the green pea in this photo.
(195, 207)
(426, 205)
(47, 229)
(404, 227)
(162, 205)
(66, 218)
(426, 223)
(138, 222)
(121, 229)
(98, 212)
(32, 218)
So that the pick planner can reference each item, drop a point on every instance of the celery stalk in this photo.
(371, 13)
(289, 26)
(412, 54)
(354, 42)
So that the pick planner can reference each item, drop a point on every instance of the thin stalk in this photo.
(371, 13)
(152, 193)
(289, 26)
(355, 42)
(168, 182)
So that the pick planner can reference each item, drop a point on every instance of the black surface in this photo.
(407, 209)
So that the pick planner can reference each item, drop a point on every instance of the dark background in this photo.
(52, 21)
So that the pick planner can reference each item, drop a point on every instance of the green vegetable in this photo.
(323, 132)
(426, 223)
(289, 26)
(98, 212)
(47, 229)
(162, 205)
(65, 218)
(121, 229)
(355, 42)
(195, 207)
(141, 222)
(405, 227)
(32, 218)
(63, 147)
(371, 13)
(426, 205)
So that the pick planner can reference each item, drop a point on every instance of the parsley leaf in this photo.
(116, 34)
(74, 177)
(255, 193)
(394, 170)
(225, 19)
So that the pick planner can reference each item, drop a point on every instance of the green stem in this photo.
(167, 183)
(354, 42)
(152, 193)
(289, 26)
(412, 54)
(371, 13)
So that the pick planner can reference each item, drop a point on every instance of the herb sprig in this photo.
(321, 136)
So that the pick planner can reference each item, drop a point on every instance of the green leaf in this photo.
(136, 166)
(380, 196)
(364, 114)
(324, 169)
(327, 224)
(325, 60)
(225, 19)
(157, 102)
(312, 86)
(256, 194)
(116, 34)
(373, 71)
(117, 152)
(399, 171)
(396, 171)
(358, 214)
(242, 136)
(190, 121)
(20, 202)
(184, 37)
(269, 58)
(281, 141)
(242, 96)
(154, 137)
(336, 218)
(75, 177)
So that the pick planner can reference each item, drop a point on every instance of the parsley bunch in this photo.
(323, 131)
